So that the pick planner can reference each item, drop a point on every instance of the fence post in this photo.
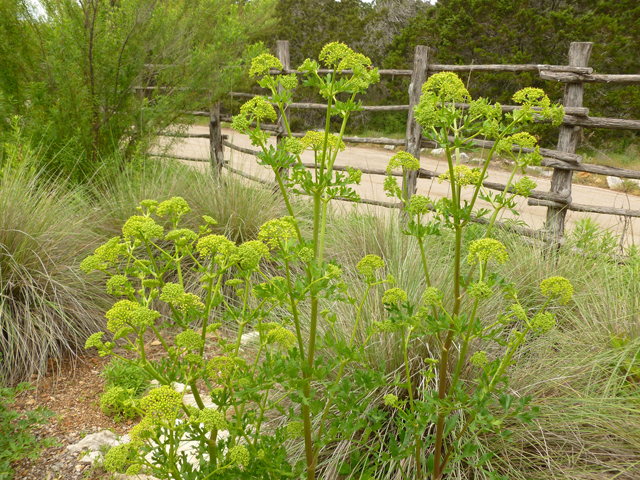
(579, 53)
(282, 52)
(414, 130)
(216, 151)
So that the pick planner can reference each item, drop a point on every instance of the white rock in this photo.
(438, 151)
(532, 169)
(464, 158)
(479, 161)
(389, 147)
(546, 173)
(93, 442)
(614, 182)
(91, 457)
(251, 337)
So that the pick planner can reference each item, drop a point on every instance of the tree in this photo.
(530, 31)
(95, 53)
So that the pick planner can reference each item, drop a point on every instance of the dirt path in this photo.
(371, 186)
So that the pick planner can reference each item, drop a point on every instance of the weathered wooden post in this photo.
(414, 130)
(282, 52)
(216, 151)
(579, 53)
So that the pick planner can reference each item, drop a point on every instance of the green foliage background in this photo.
(73, 69)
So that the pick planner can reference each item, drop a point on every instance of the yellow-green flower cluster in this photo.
(524, 186)
(118, 457)
(119, 285)
(127, 312)
(104, 256)
(221, 367)
(386, 326)
(277, 231)
(543, 322)
(162, 403)
(142, 431)
(189, 340)
(339, 56)
(479, 290)
(462, 175)
(535, 97)
(557, 287)
(95, 340)
(479, 358)
(419, 205)
(261, 65)
(432, 296)
(174, 294)
(295, 429)
(212, 244)
(276, 333)
(181, 236)
(333, 271)
(174, 207)
(369, 264)
(355, 175)
(390, 185)
(522, 140)
(391, 400)
(315, 141)
(239, 455)
(240, 123)
(210, 418)
(250, 253)
(144, 228)
(293, 146)
(487, 249)
(258, 108)
(519, 312)
(403, 160)
(447, 87)
(288, 82)
(393, 296)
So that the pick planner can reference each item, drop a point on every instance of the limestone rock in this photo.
(390, 147)
(93, 442)
(614, 182)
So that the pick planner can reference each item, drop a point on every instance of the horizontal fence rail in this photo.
(563, 160)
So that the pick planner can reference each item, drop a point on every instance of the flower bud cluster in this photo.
(487, 249)
(277, 231)
(557, 287)
(462, 175)
(369, 264)
(175, 295)
(403, 160)
(393, 296)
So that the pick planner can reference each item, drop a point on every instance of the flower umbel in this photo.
(557, 287)
(403, 160)
(487, 249)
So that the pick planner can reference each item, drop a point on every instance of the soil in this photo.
(70, 389)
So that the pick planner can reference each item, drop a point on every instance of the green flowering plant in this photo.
(291, 370)
(441, 424)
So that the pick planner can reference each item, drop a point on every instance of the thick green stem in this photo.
(444, 359)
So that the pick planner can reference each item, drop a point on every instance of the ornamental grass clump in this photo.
(47, 309)
(308, 380)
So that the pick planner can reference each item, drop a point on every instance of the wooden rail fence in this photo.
(563, 159)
